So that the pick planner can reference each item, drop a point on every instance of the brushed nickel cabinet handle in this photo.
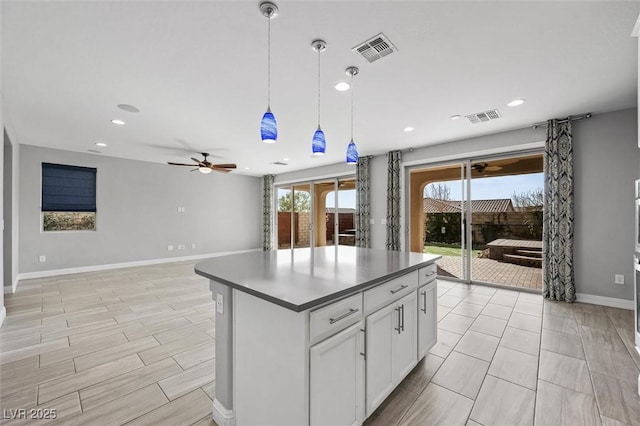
(398, 329)
(402, 325)
(424, 295)
(343, 316)
(402, 287)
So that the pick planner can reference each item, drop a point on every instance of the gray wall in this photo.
(137, 214)
(606, 159)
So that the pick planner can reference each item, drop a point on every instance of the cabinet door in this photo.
(405, 346)
(381, 327)
(427, 318)
(337, 379)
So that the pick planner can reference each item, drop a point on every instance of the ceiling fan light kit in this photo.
(268, 125)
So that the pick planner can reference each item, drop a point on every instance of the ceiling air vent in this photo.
(375, 48)
(480, 117)
(279, 163)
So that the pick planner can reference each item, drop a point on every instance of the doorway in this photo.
(316, 213)
(483, 216)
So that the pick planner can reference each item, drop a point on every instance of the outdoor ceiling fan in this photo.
(204, 166)
(481, 167)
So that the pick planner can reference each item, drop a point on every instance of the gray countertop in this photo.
(304, 278)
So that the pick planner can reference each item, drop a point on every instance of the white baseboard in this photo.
(604, 301)
(221, 415)
(3, 315)
(94, 268)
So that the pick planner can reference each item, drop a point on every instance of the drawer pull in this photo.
(402, 287)
(430, 274)
(424, 295)
(343, 316)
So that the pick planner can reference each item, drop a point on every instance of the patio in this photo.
(492, 271)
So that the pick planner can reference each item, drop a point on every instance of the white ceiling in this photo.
(197, 72)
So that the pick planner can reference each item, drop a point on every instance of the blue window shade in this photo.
(68, 188)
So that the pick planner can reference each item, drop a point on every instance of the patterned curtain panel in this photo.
(557, 234)
(363, 234)
(393, 200)
(267, 213)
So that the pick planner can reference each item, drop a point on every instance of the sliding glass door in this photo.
(483, 216)
(317, 213)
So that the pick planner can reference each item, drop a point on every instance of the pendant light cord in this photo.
(269, 61)
(319, 86)
(352, 90)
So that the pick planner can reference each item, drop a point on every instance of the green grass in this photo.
(447, 250)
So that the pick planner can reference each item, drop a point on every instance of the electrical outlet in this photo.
(372, 221)
(383, 221)
(42, 259)
(179, 209)
(170, 248)
(181, 247)
(619, 279)
(193, 246)
(219, 304)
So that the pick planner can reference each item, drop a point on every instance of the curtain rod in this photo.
(564, 120)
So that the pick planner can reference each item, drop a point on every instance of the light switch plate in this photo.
(619, 279)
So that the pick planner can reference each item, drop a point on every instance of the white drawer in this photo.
(337, 316)
(428, 273)
(386, 293)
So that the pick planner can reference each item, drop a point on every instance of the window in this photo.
(68, 198)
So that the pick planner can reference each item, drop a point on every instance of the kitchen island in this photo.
(317, 335)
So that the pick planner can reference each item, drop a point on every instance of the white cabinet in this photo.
(391, 348)
(337, 379)
(427, 318)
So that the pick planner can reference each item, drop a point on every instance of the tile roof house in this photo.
(500, 205)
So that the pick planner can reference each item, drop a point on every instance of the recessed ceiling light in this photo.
(118, 122)
(128, 108)
(101, 144)
(515, 102)
(285, 159)
(456, 117)
(247, 168)
(408, 129)
(342, 86)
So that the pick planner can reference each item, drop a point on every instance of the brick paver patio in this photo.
(492, 271)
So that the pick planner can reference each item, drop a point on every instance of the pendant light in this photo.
(352, 149)
(268, 125)
(319, 143)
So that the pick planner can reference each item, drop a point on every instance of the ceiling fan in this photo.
(204, 166)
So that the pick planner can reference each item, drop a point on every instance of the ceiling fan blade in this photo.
(193, 170)
(181, 164)
(493, 168)
(200, 162)
(220, 170)
(223, 166)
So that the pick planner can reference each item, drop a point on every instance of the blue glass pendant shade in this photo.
(319, 144)
(352, 153)
(269, 127)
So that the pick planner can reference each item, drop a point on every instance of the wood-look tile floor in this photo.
(510, 358)
(127, 346)
(136, 346)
